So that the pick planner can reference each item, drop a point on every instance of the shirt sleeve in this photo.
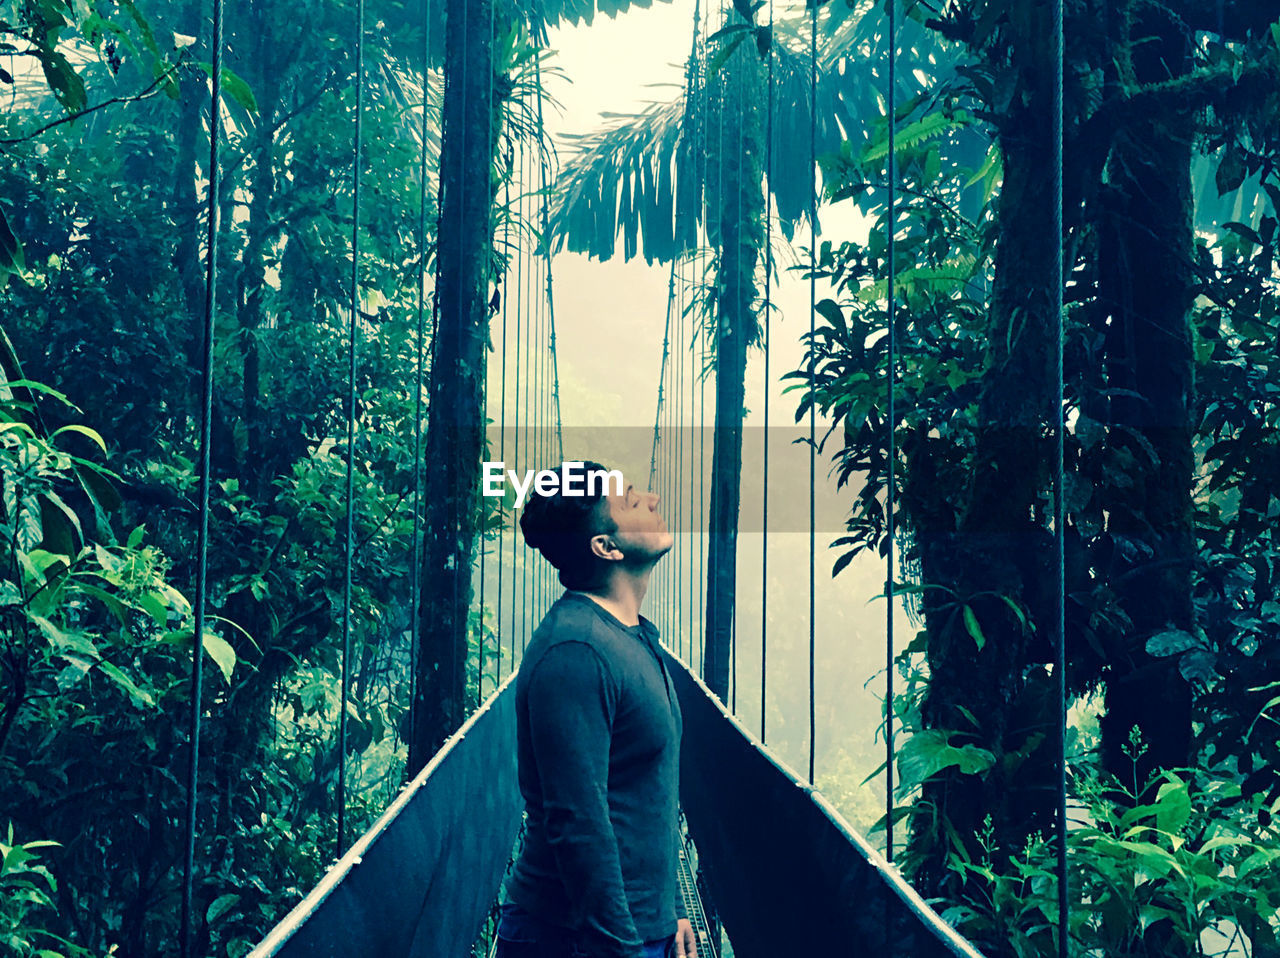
(572, 701)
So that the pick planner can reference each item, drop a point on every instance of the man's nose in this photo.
(654, 499)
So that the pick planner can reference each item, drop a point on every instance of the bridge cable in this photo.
(813, 300)
(484, 384)
(740, 330)
(348, 547)
(205, 444)
(505, 300)
(705, 254)
(550, 291)
(662, 377)
(768, 313)
(891, 452)
(1059, 510)
(415, 560)
(526, 284)
(516, 566)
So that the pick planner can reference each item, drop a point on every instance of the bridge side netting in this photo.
(422, 880)
(786, 874)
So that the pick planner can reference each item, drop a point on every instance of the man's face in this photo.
(642, 535)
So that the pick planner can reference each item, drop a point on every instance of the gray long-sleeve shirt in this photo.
(598, 743)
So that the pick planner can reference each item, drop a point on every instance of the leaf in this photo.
(1173, 806)
(234, 88)
(841, 562)
(11, 258)
(973, 628)
(1230, 173)
(223, 655)
(84, 431)
(135, 537)
(139, 696)
(723, 54)
(1198, 666)
(219, 906)
(930, 751)
(1170, 642)
(67, 85)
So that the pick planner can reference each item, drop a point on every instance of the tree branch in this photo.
(150, 91)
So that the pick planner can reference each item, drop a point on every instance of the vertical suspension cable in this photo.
(662, 378)
(526, 574)
(550, 290)
(739, 187)
(484, 379)
(502, 414)
(206, 440)
(680, 430)
(768, 315)
(1059, 509)
(813, 375)
(891, 451)
(349, 526)
(518, 547)
(415, 558)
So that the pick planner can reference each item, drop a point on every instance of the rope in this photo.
(1059, 511)
(202, 544)
(813, 373)
(891, 421)
(349, 530)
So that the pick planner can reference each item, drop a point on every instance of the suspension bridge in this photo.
(767, 857)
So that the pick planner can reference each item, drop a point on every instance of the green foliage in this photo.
(26, 889)
(1190, 873)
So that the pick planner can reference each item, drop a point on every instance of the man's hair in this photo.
(561, 528)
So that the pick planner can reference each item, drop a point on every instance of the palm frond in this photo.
(623, 179)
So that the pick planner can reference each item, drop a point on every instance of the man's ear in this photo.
(604, 547)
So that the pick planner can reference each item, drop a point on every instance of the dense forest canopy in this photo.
(1171, 198)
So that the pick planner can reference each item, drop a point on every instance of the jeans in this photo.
(521, 935)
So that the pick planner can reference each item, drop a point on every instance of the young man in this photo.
(598, 740)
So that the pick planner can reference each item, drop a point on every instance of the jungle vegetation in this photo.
(1170, 238)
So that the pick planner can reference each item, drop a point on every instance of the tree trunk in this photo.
(454, 423)
(740, 217)
(1146, 288)
(992, 691)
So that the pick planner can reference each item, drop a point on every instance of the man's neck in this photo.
(623, 594)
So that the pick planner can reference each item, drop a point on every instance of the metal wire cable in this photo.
(768, 314)
(890, 420)
(662, 377)
(484, 394)
(516, 550)
(550, 290)
(349, 526)
(206, 441)
(813, 369)
(1059, 510)
(415, 561)
(502, 413)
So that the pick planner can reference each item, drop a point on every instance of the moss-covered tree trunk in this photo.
(1145, 272)
(988, 686)
(451, 467)
(739, 229)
